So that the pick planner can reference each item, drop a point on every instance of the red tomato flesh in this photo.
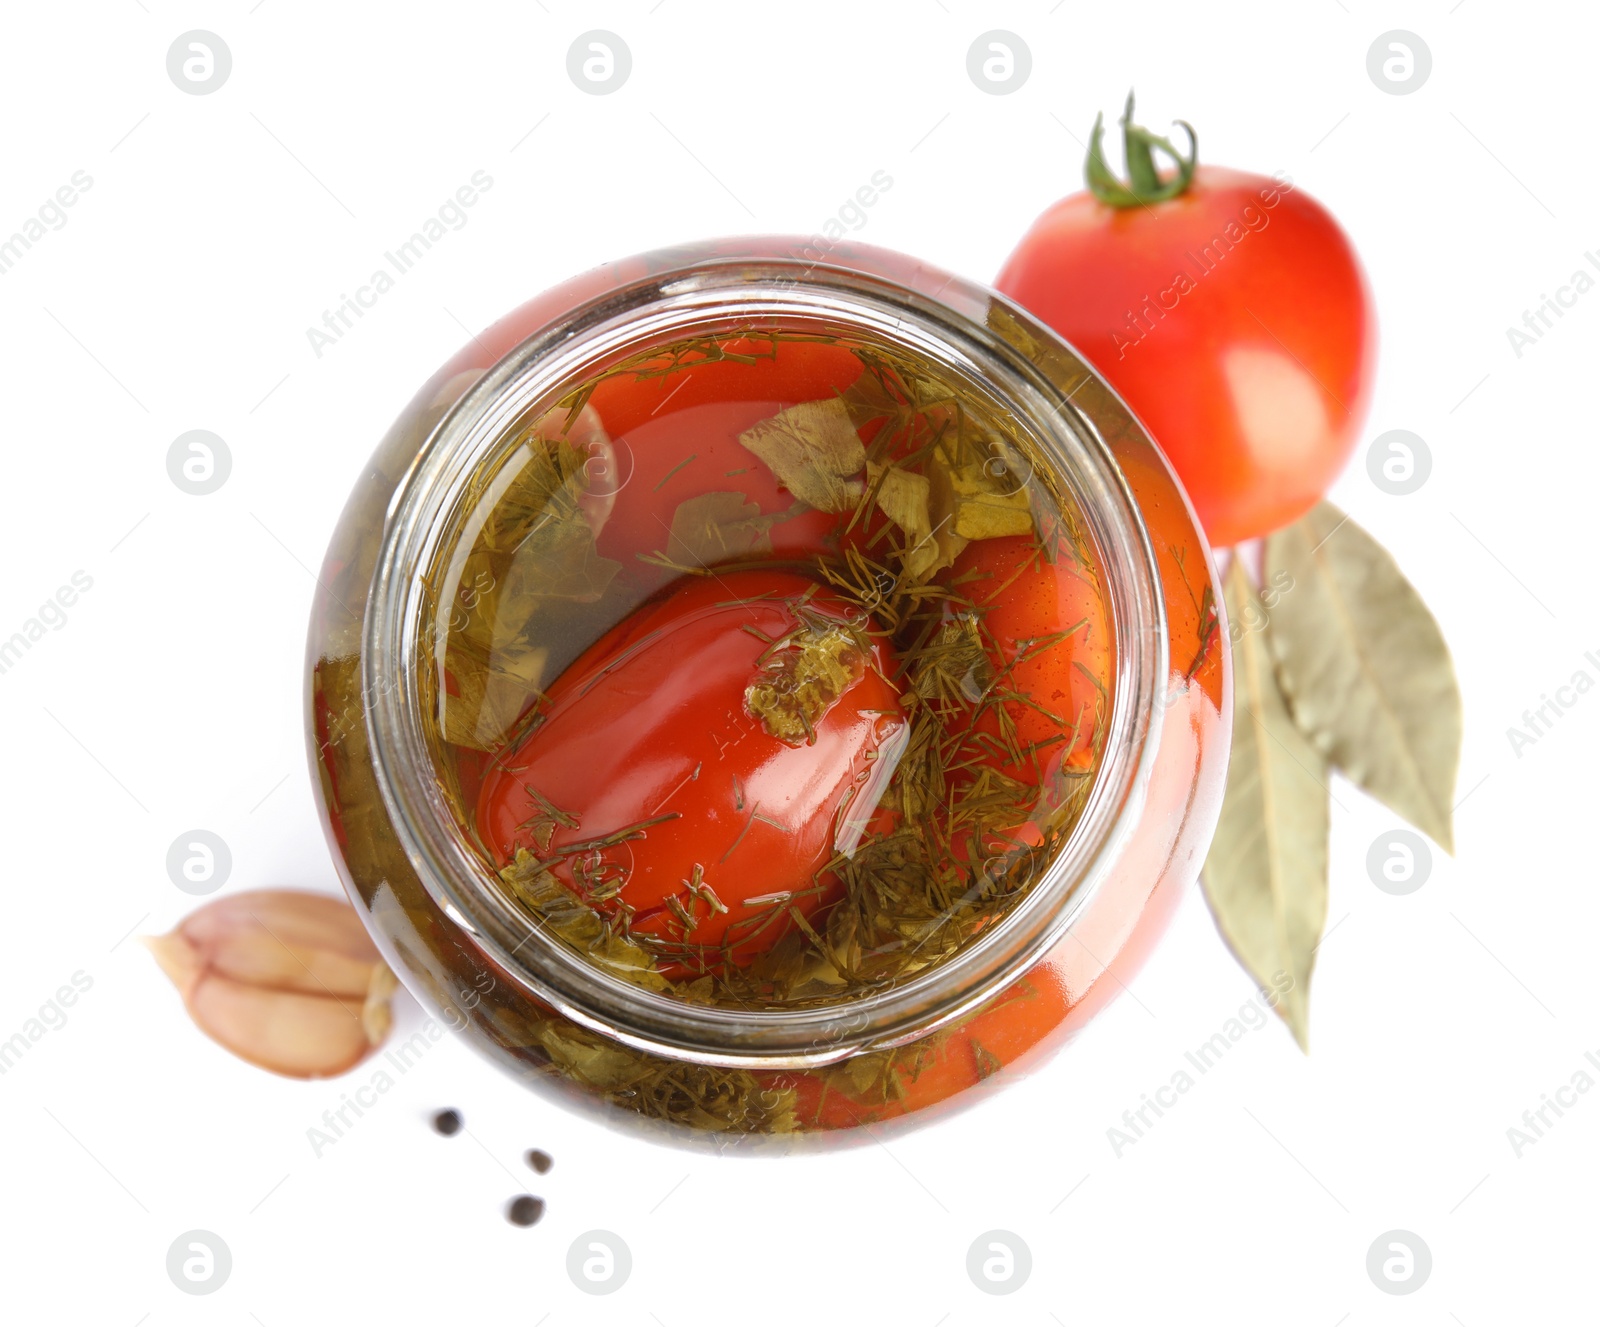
(677, 436)
(1050, 648)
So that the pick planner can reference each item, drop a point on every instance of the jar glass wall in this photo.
(407, 752)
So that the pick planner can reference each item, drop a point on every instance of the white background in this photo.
(220, 227)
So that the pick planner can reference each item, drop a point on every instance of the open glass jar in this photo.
(761, 693)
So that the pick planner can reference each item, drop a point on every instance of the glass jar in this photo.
(700, 1072)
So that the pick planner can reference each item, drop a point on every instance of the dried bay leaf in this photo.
(713, 527)
(590, 1057)
(986, 508)
(977, 499)
(462, 710)
(942, 501)
(556, 560)
(1366, 669)
(489, 698)
(535, 555)
(1266, 876)
(870, 398)
(599, 478)
(566, 460)
(902, 496)
(906, 499)
(814, 451)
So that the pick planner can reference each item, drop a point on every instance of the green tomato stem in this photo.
(1145, 183)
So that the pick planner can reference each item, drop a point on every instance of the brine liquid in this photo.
(924, 678)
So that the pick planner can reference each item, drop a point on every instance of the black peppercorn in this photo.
(524, 1210)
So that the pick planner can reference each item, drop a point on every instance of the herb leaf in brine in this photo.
(556, 560)
(714, 527)
(989, 501)
(489, 697)
(536, 547)
(814, 451)
(904, 497)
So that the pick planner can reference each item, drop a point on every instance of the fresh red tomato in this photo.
(1231, 313)
(657, 788)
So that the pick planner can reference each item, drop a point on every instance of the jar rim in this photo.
(681, 301)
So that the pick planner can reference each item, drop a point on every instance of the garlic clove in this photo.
(301, 1036)
(279, 937)
(284, 979)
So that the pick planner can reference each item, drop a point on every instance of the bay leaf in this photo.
(1365, 667)
(977, 498)
(511, 686)
(991, 501)
(490, 698)
(461, 711)
(869, 398)
(557, 559)
(905, 498)
(985, 511)
(713, 527)
(814, 451)
(547, 480)
(902, 496)
(1266, 876)
(942, 505)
